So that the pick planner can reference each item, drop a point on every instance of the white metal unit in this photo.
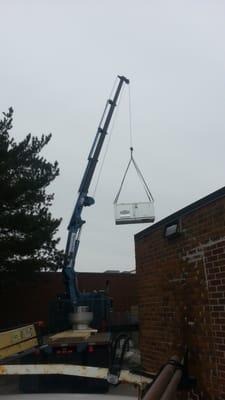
(134, 213)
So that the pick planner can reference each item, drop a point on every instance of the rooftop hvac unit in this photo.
(134, 213)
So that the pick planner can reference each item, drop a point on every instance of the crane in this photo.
(88, 361)
(83, 200)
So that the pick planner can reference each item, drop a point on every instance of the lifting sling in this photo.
(138, 212)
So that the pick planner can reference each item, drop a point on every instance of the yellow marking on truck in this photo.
(17, 348)
(17, 335)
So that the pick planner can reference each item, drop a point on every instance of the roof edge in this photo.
(210, 198)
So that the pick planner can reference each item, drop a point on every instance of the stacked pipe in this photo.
(165, 384)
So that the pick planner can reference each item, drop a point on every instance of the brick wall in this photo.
(27, 300)
(181, 293)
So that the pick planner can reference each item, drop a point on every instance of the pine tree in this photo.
(27, 227)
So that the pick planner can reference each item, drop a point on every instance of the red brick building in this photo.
(181, 292)
(27, 300)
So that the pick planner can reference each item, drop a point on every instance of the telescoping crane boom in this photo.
(83, 200)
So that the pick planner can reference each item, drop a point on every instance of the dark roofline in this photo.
(210, 198)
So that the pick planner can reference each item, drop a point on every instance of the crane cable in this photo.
(146, 188)
(130, 118)
(109, 137)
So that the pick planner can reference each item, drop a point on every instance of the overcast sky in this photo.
(59, 60)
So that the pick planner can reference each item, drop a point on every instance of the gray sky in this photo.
(59, 60)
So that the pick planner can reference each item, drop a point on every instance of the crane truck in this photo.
(81, 363)
(74, 357)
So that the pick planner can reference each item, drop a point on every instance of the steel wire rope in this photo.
(130, 118)
(102, 119)
(146, 188)
(131, 144)
(109, 138)
(141, 177)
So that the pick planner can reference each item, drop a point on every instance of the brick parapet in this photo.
(181, 293)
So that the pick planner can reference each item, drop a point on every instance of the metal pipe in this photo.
(170, 391)
(159, 386)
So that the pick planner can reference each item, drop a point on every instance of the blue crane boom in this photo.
(83, 200)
